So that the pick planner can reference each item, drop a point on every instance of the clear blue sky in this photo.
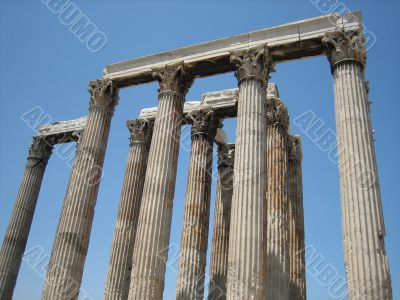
(43, 64)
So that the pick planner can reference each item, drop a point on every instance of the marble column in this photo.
(194, 238)
(222, 215)
(71, 242)
(297, 268)
(366, 263)
(120, 265)
(17, 233)
(246, 240)
(276, 226)
(154, 224)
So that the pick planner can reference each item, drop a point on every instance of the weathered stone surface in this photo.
(246, 240)
(194, 239)
(222, 216)
(153, 233)
(297, 264)
(71, 242)
(289, 41)
(343, 48)
(120, 266)
(222, 102)
(366, 264)
(265, 223)
(276, 243)
(63, 131)
(17, 233)
(151, 113)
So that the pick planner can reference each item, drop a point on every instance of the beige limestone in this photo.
(64, 274)
(222, 215)
(297, 267)
(120, 265)
(276, 243)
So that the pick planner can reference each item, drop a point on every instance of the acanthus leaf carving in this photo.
(253, 64)
(277, 113)
(173, 78)
(141, 131)
(204, 122)
(343, 46)
(103, 93)
(40, 150)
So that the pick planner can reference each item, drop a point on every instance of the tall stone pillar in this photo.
(366, 264)
(120, 266)
(154, 224)
(297, 262)
(246, 240)
(222, 216)
(71, 242)
(17, 233)
(194, 239)
(276, 226)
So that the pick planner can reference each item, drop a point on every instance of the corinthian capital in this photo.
(40, 151)
(341, 47)
(141, 131)
(277, 113)
(204, 122)
(294, 145)
(226, 155)
(253, 64)
(173, 78)
(103, 93)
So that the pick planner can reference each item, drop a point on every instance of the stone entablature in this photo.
(255, 216)
(63, 131)
(222, 102)
(286, 42)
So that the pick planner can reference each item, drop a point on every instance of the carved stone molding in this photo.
(226, 155)
(173, 78)
(277, 113)
(103, 93)
(343, 47)
(141, 131)
(40, 150)
(253, 64)
(204, 122)
(294, 145)
(290, 41)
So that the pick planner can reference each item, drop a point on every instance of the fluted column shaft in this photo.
(297, 268)
(194, 238)
(154, 225)
(120, 265)
(64, 274)
(222, 215)
(277, 206)
(17, 233)
(246, 255)
(366, 263)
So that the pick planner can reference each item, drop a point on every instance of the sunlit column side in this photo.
(366, 263)
(277, 206)
(297, 268)
(194, 238)
(64, 274)
(154, 224)
(120, 265)
(222, 215)
(17, 233)
(246, 241)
